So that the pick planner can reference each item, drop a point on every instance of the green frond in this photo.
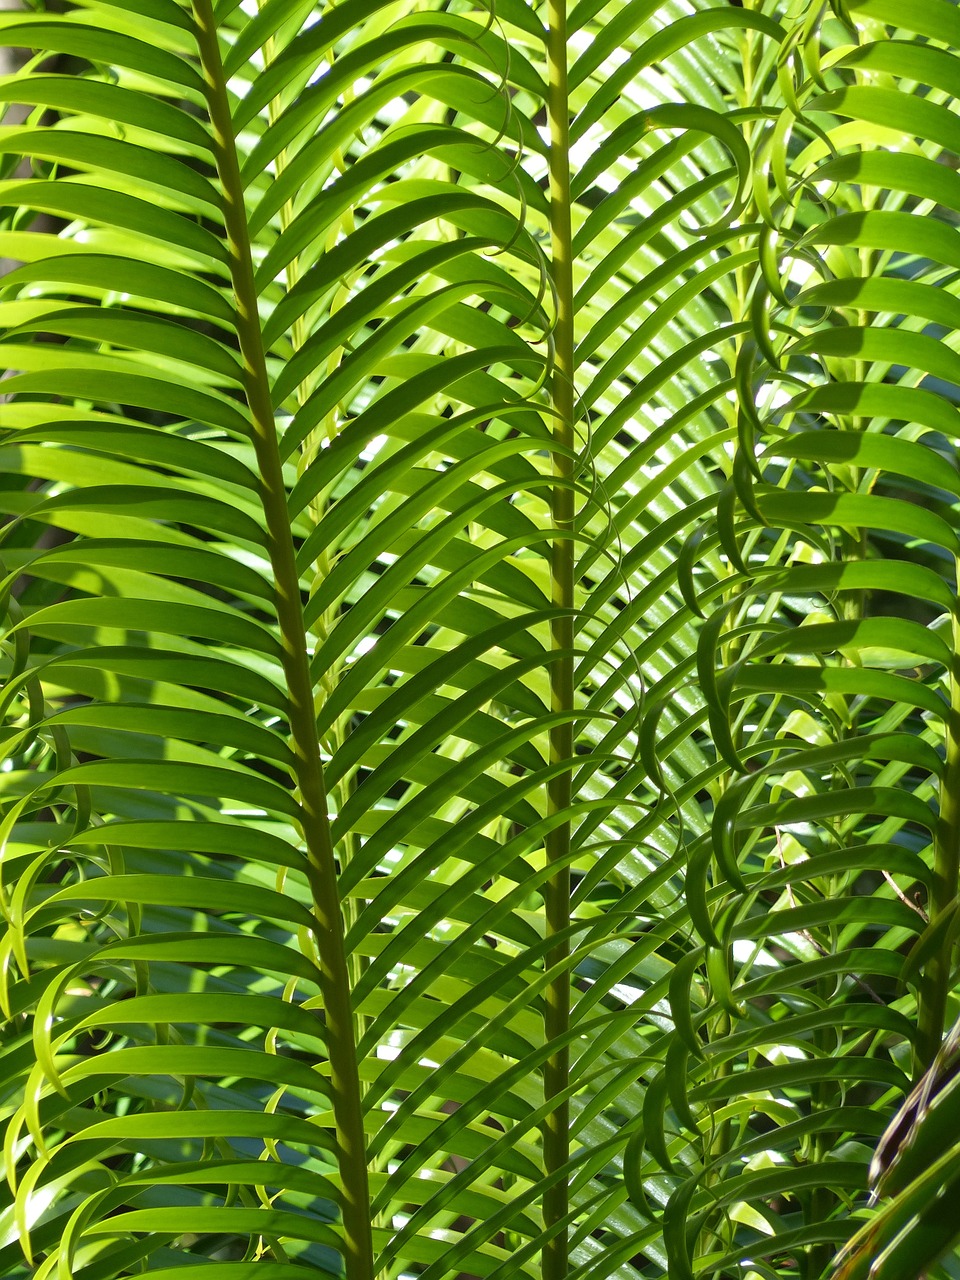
(479, 671)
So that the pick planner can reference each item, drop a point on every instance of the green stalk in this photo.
(350, 907)
(556, 1132)
(936, 983)
(321, 865)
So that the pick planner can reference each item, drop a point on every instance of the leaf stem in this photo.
(556, 1132)
(308, 766)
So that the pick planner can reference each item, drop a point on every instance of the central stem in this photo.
(556, 1132)
(308, 768)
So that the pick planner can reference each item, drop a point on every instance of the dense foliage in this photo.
(480, 694)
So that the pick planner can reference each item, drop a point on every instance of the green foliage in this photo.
(480, 702)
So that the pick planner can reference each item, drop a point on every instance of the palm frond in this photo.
(479, 679)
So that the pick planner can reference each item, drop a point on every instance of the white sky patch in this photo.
(584, 147)
(616, 59)
(771, 396)
(607, 182)
(362, 646)
(373, 448)
(800, 271)
(392, 111)
(321, 71)
(583, 150)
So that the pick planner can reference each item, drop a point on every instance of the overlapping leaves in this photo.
(824, 896)
(283, 416)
